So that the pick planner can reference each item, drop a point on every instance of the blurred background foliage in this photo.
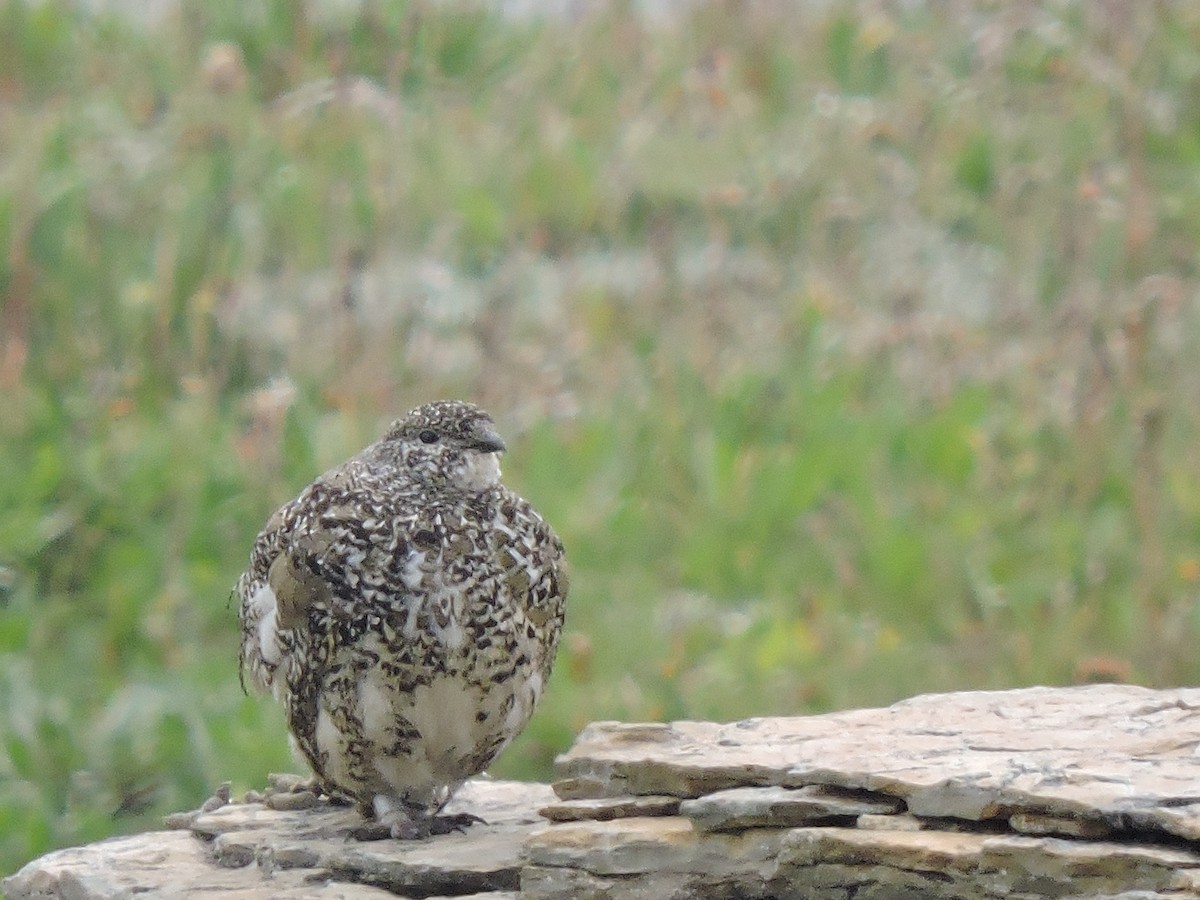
(851, 347)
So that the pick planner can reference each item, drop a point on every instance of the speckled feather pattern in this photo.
(405, 609)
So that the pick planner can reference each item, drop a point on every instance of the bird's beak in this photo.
(486, 440)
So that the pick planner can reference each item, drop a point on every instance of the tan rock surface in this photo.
(250, 850)
(669, 857)
(735, 809)
(938, 864)
(164, 864)
(1119, 757)
(604, 808)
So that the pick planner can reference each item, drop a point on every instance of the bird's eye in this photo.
(428, 436)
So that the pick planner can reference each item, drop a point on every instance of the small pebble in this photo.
(219, 799)
(295, 858)
(282, 782)
(284, 802)
(230, 855)
(252, 796)
(180, 821)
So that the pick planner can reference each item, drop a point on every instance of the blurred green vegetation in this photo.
(852, 350)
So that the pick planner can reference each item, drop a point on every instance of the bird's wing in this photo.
(315, 561)
(343, 551)
(534, 566)
(298, 578)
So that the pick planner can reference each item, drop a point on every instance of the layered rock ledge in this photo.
(1043, 792)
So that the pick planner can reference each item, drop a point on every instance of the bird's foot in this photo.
(454, 822)
(372, 831)
(404, 825)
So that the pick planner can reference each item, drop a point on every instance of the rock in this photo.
(286, 782)
(604, 808)
(935, 864)
(220, 798)
(775, 807)
(1034, 823)
(164, 864)
(283, 802)
(641, 857)
(483, 858)
(878, 822)
(1113, 757)
(670, 857)
(1057, 793)
(250, 850)
(977, 789)
(625, 847)
(180, 820)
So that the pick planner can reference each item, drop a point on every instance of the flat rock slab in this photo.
(948, 865)
(671, 857)
(1085, 761)
(605, 808)
(250, 850)
(736, 809)
(165, 864)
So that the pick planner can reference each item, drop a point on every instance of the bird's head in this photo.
(449, 443)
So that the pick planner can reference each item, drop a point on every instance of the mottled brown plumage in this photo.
(405, 609)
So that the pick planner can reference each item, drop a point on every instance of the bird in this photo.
(405, 609)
